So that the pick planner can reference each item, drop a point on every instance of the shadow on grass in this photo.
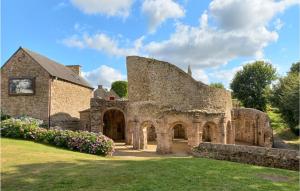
(151, 174)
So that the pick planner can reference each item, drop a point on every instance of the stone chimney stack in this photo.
(189, 70)
(75, 69)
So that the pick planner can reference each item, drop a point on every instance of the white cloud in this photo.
(159, 11)
(103, 43)
(224, 76)
(73, 41)
(104, 7)
(241, 31)
(200, 75)
(206, 47)
(104, 75)
(246, 14)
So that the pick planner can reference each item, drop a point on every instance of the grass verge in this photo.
(31, 166)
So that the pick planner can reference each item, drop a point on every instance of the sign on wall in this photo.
(21, 86)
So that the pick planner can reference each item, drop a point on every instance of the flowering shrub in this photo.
(82, 141)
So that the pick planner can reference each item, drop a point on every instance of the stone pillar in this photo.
(223, 130)
(129, 133)
(163, 139)
(136, 134)
(96, 122)
(196, 133)
(143, 138)
(233, 131)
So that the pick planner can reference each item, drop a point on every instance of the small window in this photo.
(21, 86)
(111, 98)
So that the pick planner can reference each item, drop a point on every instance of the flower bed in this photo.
(82, 141)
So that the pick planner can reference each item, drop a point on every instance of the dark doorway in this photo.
(114, 124)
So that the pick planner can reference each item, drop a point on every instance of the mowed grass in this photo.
(31, 166)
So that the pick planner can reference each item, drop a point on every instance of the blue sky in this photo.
(215, 37)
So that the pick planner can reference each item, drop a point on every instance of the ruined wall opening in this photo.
(209, 132)
(179, 138)
(114, 124)
(148, 136)
(179, 132)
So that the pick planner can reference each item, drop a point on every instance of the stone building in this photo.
(166, 104)
(34, 85)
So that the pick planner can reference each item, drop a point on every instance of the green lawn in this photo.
(30, 166)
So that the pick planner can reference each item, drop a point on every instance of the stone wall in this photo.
(252, 127)
(98, 107)
(169, 86)
(270, 157)
(67, 100)
(85, 120)
(22, 65)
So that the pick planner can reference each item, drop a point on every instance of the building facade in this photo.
(34, 85)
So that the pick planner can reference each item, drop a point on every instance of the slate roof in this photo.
(58, 70)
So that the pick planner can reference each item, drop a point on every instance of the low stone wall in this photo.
(262, 156)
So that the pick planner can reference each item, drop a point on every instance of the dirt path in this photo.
(179, 149)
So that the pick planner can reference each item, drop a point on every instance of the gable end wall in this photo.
(18, 66)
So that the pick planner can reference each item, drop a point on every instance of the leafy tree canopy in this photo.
(120, 87)
(285, 96)
(251, 84)
(217, 85)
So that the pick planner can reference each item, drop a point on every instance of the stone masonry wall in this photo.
(169, 86)
(22, 65)
(270, 157)
(252, 126)
(67, 100)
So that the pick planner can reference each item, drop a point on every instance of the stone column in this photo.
(233, 131)
(223, 130)
(163, 139)
(96, 125)
(129, 133)
(136, 134)
(143, 138)
(196, 133)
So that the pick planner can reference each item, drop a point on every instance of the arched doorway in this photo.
(179, 138)
(209, 134)
(148, 136)
(114, 124)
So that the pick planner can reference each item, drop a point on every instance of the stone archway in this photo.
(114, 124)
(209, 132)
(147, 135)
(179, 142)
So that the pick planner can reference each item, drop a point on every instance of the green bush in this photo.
(4, 116)
(82, 141)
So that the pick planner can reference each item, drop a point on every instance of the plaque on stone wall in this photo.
(21, 86)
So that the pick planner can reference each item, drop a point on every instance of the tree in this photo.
(217, 85)
(252, 83)
(285, 96)
(120, 87)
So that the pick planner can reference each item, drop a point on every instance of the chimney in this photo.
(75, 69)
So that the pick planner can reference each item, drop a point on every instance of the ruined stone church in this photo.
(166, 104)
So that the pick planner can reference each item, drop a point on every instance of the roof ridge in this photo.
(57, 69)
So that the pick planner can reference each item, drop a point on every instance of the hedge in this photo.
(82, 141)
